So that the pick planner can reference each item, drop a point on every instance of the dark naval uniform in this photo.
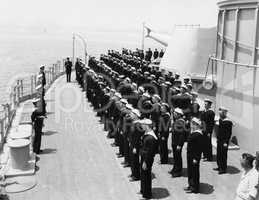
(164, 124)
(37, 121)
(207, 118)
(223, 137)
(68, 65)
(178, 138)
(135, 146)
(194, 150)
(147, 152)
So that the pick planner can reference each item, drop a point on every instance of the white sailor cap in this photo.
(124, 101)
(117, 94)
(35, 100)
(196, 121)
(178, 110)
(184, 86)
(38, 87)
(146, 95)
(223, 109)
(136, 112)
(129, 106)
(157, 97)
(42, 67)
(193, 93)
(146, 121)
(141, 89)
(208, 100)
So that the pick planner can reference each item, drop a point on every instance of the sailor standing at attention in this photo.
(223, 137)
(147, 152)
(43, 82)
(68, 66)
(37, 119)
(208, 120)
(194, 150)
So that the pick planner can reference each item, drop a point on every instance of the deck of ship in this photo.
(79, 163)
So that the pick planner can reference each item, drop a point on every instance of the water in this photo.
(22, 54)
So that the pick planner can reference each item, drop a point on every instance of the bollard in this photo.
(19, 153)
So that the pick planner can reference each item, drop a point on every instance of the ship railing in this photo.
(25, 89)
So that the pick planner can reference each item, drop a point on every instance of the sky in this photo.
(107, 14)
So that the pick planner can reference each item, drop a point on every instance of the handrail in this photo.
(233, 63)
(23, 90)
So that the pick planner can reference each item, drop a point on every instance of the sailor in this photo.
(156, 54)
(163, 132)
(147, 152)
(127, 125)
(119, 140)
(195, 109)
(134, 140)
(122, 111)
(42, 104)
(155, 113)
(161, 53)
(184, 101)
(37, 121)
(194, 150)
(178, 138)
(68, 66)
(77, 68)
(208, 121)
(223, 138)
(43, 81)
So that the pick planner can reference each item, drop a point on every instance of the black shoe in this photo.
(222, 172)
(216, 169)
(192, 191)
(133, 178)
(140, 192)
(187, 188)
(170, 172)
(174, 175)
(147, 196)
(126, 165)
(120, 156)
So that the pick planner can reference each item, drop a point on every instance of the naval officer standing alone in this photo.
(68, 65)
